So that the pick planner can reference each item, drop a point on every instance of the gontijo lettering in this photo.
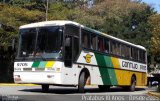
(129, 65)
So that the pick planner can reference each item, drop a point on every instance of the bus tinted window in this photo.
(85, 39)
(125, 51)
(122, 50)
(100, 44)
(118, 49)
(106, 45)
(113, 47)
(142, 55)
(72, 30)
(134, 53)
(93, 42)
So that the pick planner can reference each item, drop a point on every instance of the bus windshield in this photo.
(43, 42)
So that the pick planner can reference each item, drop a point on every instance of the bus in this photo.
(66, 53)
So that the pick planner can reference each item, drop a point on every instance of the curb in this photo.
(14, 84)
(154, 94)
(141, 86)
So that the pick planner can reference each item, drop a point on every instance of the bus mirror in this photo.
(13, 43)
(68, 42)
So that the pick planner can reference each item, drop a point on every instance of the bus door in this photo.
(71, 53)
(71, 49)
(68, 51)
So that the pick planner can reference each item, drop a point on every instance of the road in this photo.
(34, 93)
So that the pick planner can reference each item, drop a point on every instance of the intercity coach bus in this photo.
(66, 53)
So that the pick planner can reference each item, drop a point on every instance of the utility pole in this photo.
(46, 10)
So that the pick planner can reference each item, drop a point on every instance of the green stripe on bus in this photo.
(36, 64)
(102, 69)
(108, 74)
(111, 70)
(108, 61)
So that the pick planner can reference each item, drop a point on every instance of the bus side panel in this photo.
(95, 76)
(107, 70)
(115, 71)
(71, 74)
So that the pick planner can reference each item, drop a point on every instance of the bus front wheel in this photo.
(45, 88)
(81, 83)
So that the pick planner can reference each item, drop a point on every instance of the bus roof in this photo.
(64, 22)
(49, 23)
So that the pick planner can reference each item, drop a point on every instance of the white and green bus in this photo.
(66, 53)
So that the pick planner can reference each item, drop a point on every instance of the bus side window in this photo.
(122, 50)
(85, 39)
(136, 54)
(113, 47)
(106, 45)
(118, 49)
(142, 55)
(100, 44)
(127, 52)
(131, 52)
(93, 42)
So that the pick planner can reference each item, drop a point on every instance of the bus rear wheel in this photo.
(132, 85)
(81, 83)
(45, 88)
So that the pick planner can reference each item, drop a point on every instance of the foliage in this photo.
(12, 17)
(130, 20)
(154, 20)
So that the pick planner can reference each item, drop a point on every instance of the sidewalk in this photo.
(154, 93)
(14, 84)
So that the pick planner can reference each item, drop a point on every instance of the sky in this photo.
(153, 3)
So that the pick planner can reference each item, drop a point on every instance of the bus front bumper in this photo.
(37, 77)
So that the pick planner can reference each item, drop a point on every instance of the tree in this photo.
(154, 20)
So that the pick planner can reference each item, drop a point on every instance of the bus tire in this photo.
(81, 83)
(45, 88)
(133, 84)
(103, 87)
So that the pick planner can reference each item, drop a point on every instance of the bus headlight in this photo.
(58, 69)
(17, 78)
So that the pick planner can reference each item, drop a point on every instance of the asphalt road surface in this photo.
(34, 93)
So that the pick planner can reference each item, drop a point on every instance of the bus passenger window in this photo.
(113, 47)
(127, 52)
(118, 49)
(85, 39)
(93, 42)
(122, 50)
(131, 53)
(106, 45)
(134, 53)
(100, 44)
(142, 55)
